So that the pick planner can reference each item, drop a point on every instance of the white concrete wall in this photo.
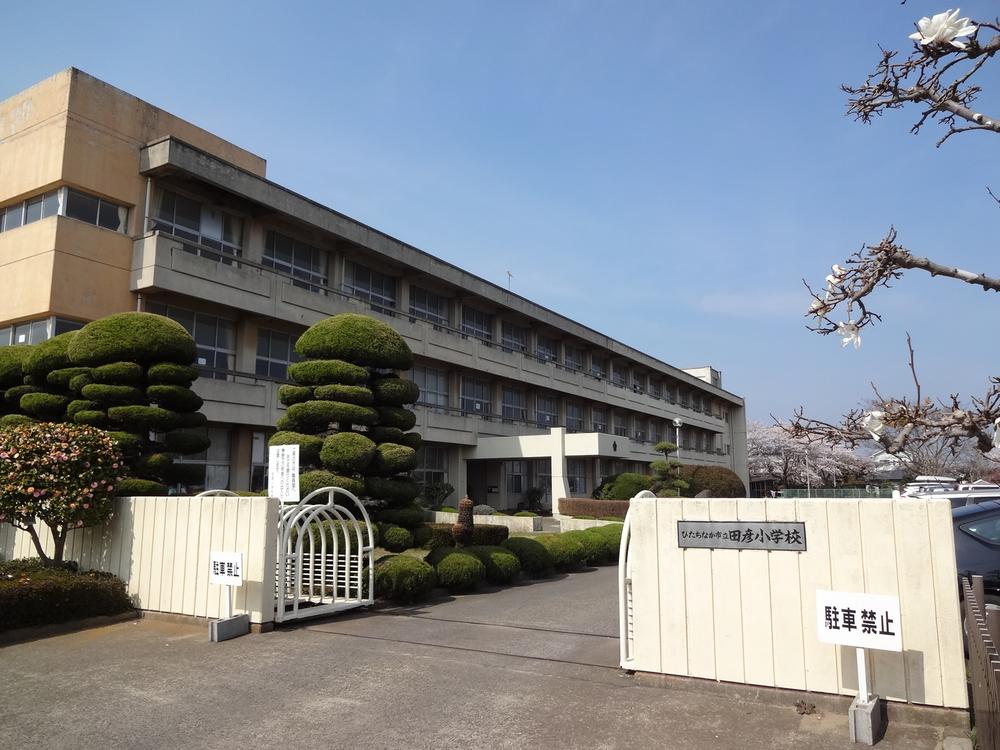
(514, 523)
(749, 615)
(568, 523)
(160, 547)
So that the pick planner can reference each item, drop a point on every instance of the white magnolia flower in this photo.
(873, 422)
(817, 308)
(943, 28)
(996, 432)
(849, 332)
(838, 271)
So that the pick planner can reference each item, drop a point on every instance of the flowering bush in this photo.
(62, 475)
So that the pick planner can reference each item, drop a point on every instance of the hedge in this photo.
(171, 373)
(175, 397)
(132, 337)
(408, 518)
(356, 338)
(403, 579)
(350, 394)
(596, 548)
(44, 405)
(323, 371)
(567, 553)
(39, 596)
(112, 394)
(347, 452)
(458, 569)
(49, 355)
(119, 373)
(502, 565)
(439, 536)
(395, 391)
(310, 481)
(11, 364)
(535, 559)
(525, 514)
(132, 486)
(309, 445)
(294, 394)
(396, 416)
(396, 538)
(316, 416)
(391, 458)
(488, 535)
(581, 506)
(623, 486)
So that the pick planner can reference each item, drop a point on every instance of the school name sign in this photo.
(758, 535)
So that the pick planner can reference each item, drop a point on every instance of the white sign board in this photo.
(226, 569)
(283, 473)
(860, 620)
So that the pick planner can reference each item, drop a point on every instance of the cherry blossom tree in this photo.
(937, 78)
(773, 451)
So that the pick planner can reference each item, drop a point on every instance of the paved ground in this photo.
(525, 667)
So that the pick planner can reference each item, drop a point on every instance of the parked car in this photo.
(966, 497)
(977, 545)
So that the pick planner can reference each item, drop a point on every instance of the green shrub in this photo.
(403, 579)
(396, 538)
(718, 481)
(128, 442)
(382, 434)
(157, 464)
(13, 395)
(347, 452)
(61, 378)
(11, 363)
(439, 536)
(47, 356)
(616, 519)
(171, 373)
(317, 416)
(393, 391)
(73, 407)
(323, 371)
(294, 394)
(142, 418)
(391, 458)
(502, 565)
(186, 443)
(350, 394)
(92, 417)
(45, 406)
(175, 397)
(132, 337)
(310, 481)
(112, 394)
(625, 486)
(356, 338)
(346, 533)
(421, 535)
(12, 420)
(567, 553)
(309, 445)
(412, 440)
(37, 596)
(488, 535)
(409, 518)
(459, 570)
(585, 518)
(579, 507)
(190, 420)
(135, 487)
(119, 373)
(77, 382)
(448, 509)
(394, 491)
(535, 558)
(595, 549)
(525, 514)
(396, 416)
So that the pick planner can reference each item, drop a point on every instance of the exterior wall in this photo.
(514, 523)
(750, 616)
(160, 547)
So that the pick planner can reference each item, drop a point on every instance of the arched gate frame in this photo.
(325, 555)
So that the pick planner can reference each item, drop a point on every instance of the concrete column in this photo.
(335, 269)
(246, 346)
(457, 474)
(454, 389)
(240, 458)
(403, 295)
(560, 485)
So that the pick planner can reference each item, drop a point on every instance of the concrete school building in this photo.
(109, 204)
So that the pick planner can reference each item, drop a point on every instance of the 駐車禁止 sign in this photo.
(761, 535)
(860, 620)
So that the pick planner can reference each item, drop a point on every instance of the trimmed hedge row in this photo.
(35, 595)
(403, 579)
(580, 506)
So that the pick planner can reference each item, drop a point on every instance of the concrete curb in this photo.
(36, 632)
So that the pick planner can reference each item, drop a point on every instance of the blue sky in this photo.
(664, 172)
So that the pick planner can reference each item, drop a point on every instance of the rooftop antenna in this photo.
(509, 277)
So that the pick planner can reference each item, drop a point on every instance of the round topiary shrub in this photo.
(92, 417)
(535, 559)
(174, 397)
(13, 395)
(421, 535)
(294, 394)
(112, 394)
(394, 491)
(391, 458)
(309, 445)
(395, 391)
(44, 406)
(134, 487)
(142, 418)
(77, 382)
(11, 365)
(396, 416)
(190, 420)
(171, 373)
(356, 338)
(350, 394)
(13, 420)
(186, 443)
(49, 355)
(396, 538)
(403, 579)
(409, 518)
(61, 378)
(310, 481)
(502, 565)
(483, 510)
(128, 443)
(382, 434)
(567, 554)
(138, 337)
(594, 548)
(78, 405)
(347, 452)
(324, 371)
(316, 416)
(459, 570)
(118, 372)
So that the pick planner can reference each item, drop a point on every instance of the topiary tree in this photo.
(47, 372)
(61, 475)
(667, 480)
(717, 480)
(136, 383)
(347, 410)
(12, 382)
(624, 486)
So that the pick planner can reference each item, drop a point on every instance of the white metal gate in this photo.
(626, 605)
(325, 551)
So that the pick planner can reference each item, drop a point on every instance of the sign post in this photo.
(863, 621)
(226, 569)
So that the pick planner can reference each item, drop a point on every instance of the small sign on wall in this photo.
(760, 535)
(226, 569)
(859, 620)
(283, 473)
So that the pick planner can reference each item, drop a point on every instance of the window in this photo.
(638, 382)
(428, 305)
(62, 325)
(517, 476)
(573, 357)
(656, 389)
(258, 462)
(307, 264)
(599, 420)
(576, 475)
(547, 411)
(546, 348)
(639, 430)
(476, 396)
(215, 459)
(364, 283)
(987, 529)
(433, 385)
(94, 210)
(618, 374)
(656, 431)
(514, 404)
(214, 337)
(477, 323)
(432, 464)
(30, 332)
(85, 207)
(209, 227)
(599, 368)
(513, 337)
(621, 425)
(275, 351)
(574, 417)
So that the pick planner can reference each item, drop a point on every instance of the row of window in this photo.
(522, 475)
(36, 331)
(65, 202)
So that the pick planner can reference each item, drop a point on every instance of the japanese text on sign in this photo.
(766, 535)
(226, 569)
(861, 620)
(283, 473)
